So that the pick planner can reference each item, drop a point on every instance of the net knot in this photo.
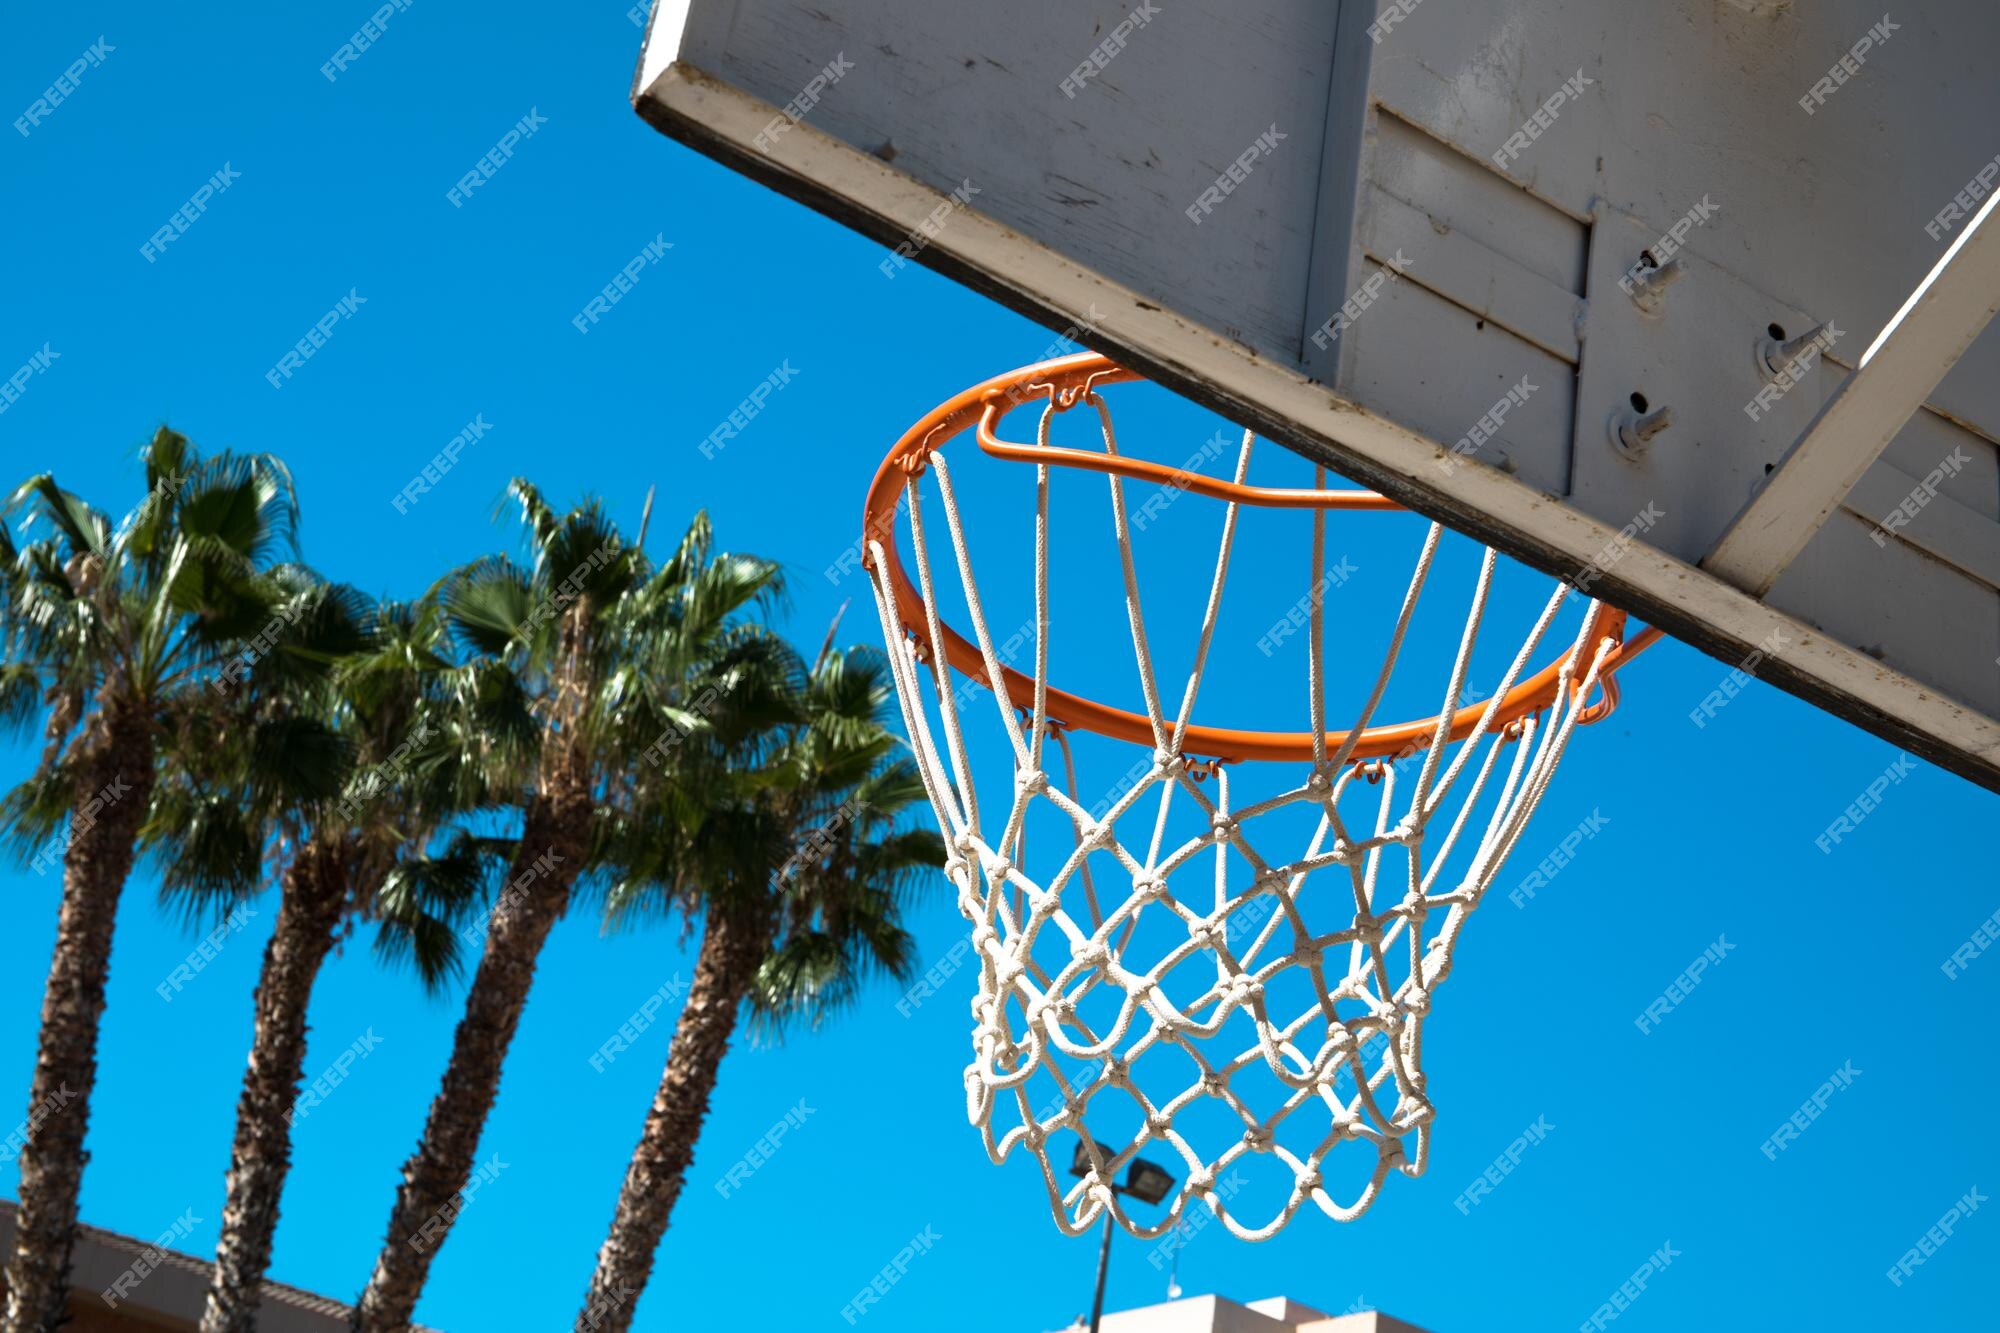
(1031, 781)
(1092, 953)
(979, 1095)
(1411, 1111)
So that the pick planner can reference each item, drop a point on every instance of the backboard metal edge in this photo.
(720, 121)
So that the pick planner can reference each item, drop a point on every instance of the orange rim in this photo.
(1069, 381)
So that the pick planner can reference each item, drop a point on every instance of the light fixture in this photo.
(1147, 1182)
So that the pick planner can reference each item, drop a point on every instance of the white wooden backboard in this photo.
(1361, 225)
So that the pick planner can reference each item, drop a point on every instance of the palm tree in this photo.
(119, 629)
(314, 766)
(799, 874)
(600, 650)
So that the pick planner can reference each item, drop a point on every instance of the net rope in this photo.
(1372, 974)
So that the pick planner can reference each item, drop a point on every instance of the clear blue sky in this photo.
(342, 189)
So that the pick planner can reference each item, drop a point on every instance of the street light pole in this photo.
(1103, 1267)
(1145, 1182)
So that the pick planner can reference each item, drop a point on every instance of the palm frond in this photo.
(424, 944)
(585, 556)
(488, 604)
(209, 849)
(245, 504)
(690, 554)
(35, 815)
(22, 696)
(299, 761)
(536, 516)
(83, 529)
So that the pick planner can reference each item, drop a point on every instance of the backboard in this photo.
(1466, 252)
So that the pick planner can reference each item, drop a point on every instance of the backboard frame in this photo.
(708, 113)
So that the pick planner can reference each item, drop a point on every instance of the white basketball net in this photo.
(1373, 947)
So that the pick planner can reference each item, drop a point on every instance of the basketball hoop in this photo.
(1054, 982)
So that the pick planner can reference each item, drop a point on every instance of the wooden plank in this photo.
(1470, 197)
(1468, 274)
(1941, 526)
(1911, 611)
(1427, 364)
(1898, 374)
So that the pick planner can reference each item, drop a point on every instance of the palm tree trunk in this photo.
(554, 842)
(114, 784)
(730, 951)
(311, 900)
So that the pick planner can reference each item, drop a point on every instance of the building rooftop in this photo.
(1274, 1314)
(168, 1291)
